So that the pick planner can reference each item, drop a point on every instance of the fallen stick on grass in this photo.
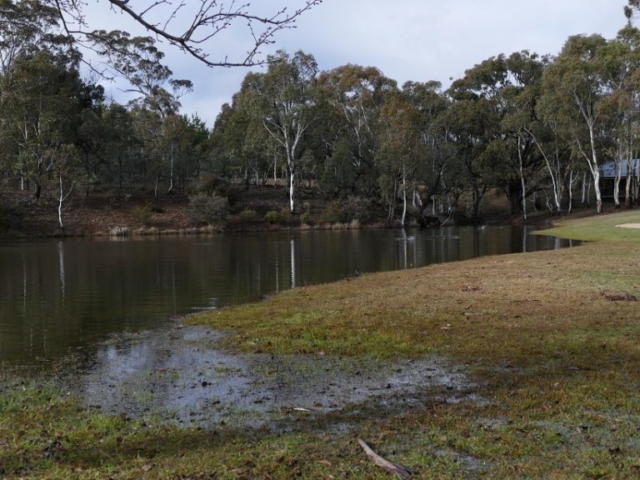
(392, 468)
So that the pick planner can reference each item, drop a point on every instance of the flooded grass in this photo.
(534, 362)
(180, 377)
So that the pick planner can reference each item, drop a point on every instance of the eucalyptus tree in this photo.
(91, 138)
(554, 146)
(147, 127)
(522, 93)
(504, 91)
(288, 106)
(354, 97)
(220, 159)
(40, 110)
(195, 147)
(468, 130)
(437, 148)
(26, 27)
(476, 113)
(632, 7)
(244, 146)
(121, 145)
(619, 61)
(630, 36)
(399, 152)
(139, 61)
(67, 171)
(573, 88)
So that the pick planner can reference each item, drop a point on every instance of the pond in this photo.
(62, 297)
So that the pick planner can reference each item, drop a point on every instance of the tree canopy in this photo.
(533, 127)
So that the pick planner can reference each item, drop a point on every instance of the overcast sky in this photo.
(418, 40)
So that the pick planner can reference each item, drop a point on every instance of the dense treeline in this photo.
(537, 128)
(533, 127)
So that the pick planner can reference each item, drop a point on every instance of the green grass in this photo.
(555, 360)
(597, 229)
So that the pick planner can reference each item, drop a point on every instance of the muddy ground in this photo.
(179, 375)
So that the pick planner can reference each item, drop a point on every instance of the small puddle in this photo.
(179, 376)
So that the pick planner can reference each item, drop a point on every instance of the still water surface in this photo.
(61, 296)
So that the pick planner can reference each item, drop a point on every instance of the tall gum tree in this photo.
(620, 61)
(139, 61)
(555, 148)
(356, 95)
(40, 110)
(289, 103)
(27, 27)
(475, 116)
(504, 90)
(437, 150)
(522, 93)
(574, 86)
(244, 145)
(399, 154)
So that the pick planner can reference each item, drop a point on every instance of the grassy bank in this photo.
(551, 340)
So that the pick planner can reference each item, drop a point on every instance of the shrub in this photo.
(210, 209)
(305, 218)
(353, 209)
(275, 217)
(248, 215)
(214, 185)
(332, 213)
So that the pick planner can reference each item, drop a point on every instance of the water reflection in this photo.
(56, 296)
(174, 375)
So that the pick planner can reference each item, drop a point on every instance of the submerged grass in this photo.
(551, 338)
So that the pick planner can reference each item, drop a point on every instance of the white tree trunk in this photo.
(616, 183)
(522, 181)
(61, 199)
(572, 180)
(171, 172)
(292, 193)
(404, 195)
(595, 169)
(627, 187)
(596, 189)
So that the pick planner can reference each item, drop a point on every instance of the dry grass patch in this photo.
(515, 307)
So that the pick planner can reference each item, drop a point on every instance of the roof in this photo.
(608, 169)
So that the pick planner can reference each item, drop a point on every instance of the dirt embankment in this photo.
(107, 213)
(101, 213)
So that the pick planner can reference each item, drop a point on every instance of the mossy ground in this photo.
(552, 339)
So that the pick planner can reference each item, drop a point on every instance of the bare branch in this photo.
(209, 20)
